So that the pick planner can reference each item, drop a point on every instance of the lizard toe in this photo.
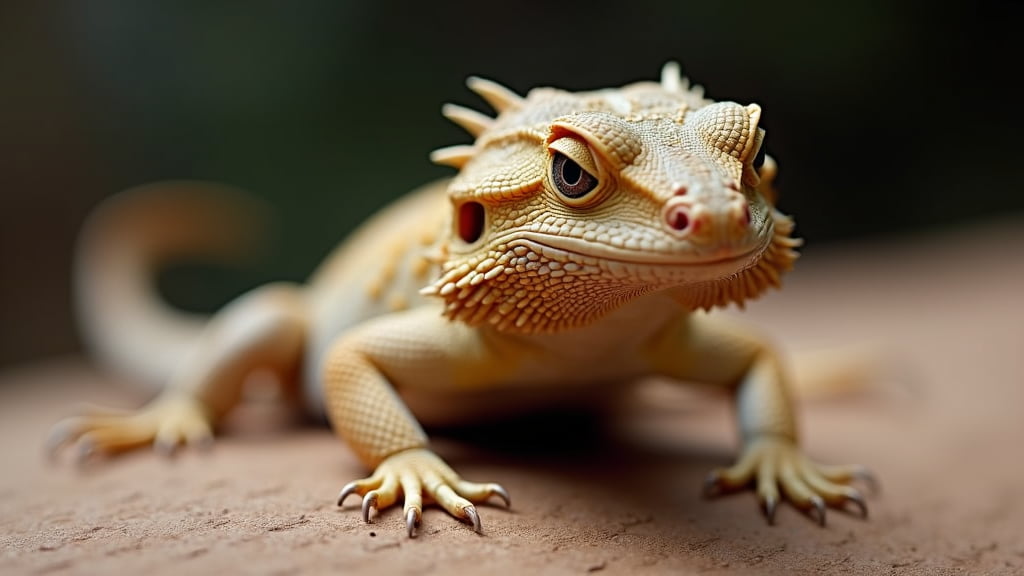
(779, 469)
(359, 487)
(482, 492)
(418, 474)
(164, 423)
(733, 478)
(90, 435)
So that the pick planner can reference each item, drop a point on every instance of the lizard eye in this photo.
(570, 178)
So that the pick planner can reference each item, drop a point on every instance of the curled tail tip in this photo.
(177, 215)
(120, 249)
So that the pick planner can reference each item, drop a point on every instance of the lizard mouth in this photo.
(725, 258)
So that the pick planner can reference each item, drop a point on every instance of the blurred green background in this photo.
(886, 118)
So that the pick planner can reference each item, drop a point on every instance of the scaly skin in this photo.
(584, 239)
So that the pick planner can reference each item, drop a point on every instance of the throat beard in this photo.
(530, 289)
(748, 284)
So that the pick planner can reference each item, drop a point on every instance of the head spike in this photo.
(671, 78)
(499, 97)
(470, 120)
(454, 156)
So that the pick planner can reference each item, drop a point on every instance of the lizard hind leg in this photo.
(263, 329)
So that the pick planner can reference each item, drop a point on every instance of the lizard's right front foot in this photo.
(417, 473)
(165, 423)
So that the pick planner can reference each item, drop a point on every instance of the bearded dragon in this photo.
(583, 239)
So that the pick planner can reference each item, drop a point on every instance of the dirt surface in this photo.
(942, 427)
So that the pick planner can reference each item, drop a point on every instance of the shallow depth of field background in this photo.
(887, 119)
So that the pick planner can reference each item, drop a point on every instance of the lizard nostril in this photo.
(677, 218)
(680, 221)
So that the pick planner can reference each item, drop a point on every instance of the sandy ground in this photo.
(942, 427)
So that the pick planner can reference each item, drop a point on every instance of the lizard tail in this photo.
(123, 321)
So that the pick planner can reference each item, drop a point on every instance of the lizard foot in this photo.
(776, 463)
(165, 423)
(414, 474)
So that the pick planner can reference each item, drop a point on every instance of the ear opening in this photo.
(754, 159)
(470, 218)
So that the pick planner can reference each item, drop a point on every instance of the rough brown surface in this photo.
(941, 427)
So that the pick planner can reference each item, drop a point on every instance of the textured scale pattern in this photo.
(547, 264)
(366, 412)
(617, 137)
(571, 248)
(527, 289)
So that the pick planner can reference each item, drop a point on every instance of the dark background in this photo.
(886, 118)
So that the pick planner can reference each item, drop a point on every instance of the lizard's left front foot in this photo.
(775, 463)
(416, 473)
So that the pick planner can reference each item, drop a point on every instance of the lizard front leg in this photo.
(712, 350)
(417, 348)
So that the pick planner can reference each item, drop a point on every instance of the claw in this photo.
(711, 486)
(411, 520)
(869, 479)
(347, 491)
(819, 507)
(59, 436)
(369, 501)
(204, 443)
(500, 492)
(858, 501)
(86, 448)
(417, 475)
(770, 504)
(165, 449)
(474, 518)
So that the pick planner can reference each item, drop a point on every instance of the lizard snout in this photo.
(727, 224)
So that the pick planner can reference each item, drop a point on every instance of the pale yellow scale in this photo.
(575, 250)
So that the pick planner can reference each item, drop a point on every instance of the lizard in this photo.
(585, 237)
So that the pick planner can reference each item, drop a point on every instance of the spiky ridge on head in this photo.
(525, 259)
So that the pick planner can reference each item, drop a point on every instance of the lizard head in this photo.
(568, 205)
